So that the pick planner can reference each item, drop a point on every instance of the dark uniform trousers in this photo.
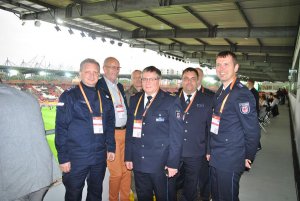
(226, 184)
(145, 182)
(74, 181)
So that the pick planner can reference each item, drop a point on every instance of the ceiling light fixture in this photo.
(103, 39)
(57, 28)
(70, 31)
(37, 23)
(82, 34)
(120, 44)
(112, 42)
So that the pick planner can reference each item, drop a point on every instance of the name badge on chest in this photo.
(120, 111)
(215, 124)
(97, 125)
(137, 129)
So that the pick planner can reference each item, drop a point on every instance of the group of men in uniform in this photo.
(163, 138)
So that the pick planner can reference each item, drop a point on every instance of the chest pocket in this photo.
(161, 116)
(81, 109)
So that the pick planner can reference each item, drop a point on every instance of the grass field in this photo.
(49, 123)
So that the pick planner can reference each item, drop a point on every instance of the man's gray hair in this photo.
(91, 61)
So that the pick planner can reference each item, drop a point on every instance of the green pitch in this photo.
(49, 122)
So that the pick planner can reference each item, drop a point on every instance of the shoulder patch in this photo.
(244, 108)
(240, 85)
(60, 104)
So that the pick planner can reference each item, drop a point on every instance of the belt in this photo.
(120, 128)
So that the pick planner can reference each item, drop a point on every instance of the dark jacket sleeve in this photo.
(63, 119)
(249, 122)
(110, 127)
(176, 134)
(129, 130)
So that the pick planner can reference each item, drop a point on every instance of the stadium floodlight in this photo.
(59, 21)
(42, 73)
(70, 31)
(82, 34)
(210, 79)
(57, 28)
(37, 23)
(13, 72)
(112, 42)
(103, 39)
(67, 74)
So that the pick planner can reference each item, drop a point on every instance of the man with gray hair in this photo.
(85, 134)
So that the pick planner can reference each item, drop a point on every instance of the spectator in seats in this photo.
(120, 177)
(27, 166)
(274, 105)
(154, 137)
(234, 133)
(85, 134)
(263, 105)
(136, 84)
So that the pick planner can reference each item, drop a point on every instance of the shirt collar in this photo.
(110, 83)
(185, 95)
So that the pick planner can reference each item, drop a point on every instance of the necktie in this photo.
(188, 100)
(148, 102)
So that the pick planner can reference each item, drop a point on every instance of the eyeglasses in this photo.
(149, 79)
(113, 67)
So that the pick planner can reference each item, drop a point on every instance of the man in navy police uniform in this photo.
(153, 137)
(235, 132)
(197, 115)
(84, 134)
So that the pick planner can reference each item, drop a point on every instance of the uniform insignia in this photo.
(107, 96)
(172, 94)
(244, 108)
(60, 104)
(240, 85)
(178, 114)
(200, 105)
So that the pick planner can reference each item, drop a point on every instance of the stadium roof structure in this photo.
(262, 33)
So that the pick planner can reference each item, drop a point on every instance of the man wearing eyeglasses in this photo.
(196, 116)
(120, 177)
(153, 137)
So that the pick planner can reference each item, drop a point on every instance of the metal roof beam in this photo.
(218, 48)
(111, 7)
(255, 32)
(173, 26)
(249, 25)
(196, 15)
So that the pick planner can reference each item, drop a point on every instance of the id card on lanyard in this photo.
(137, 129)
(138, 123)
(215, 121)
(119, 107)
(97, 125)
(97, 121)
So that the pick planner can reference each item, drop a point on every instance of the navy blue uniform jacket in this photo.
(239, 131)
(196, 125)
(160, 144)
(75, 139)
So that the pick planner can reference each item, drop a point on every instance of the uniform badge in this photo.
(60, 104)
(244, 108)
(178, 114)
(240, 85)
